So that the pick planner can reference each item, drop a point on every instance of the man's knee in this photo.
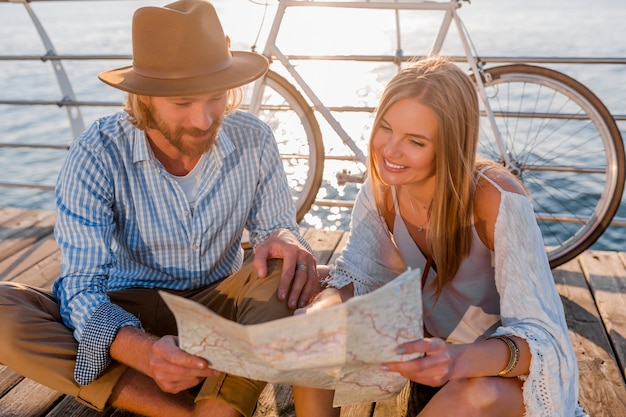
(236, 392)
(21, 308)
(259, 301)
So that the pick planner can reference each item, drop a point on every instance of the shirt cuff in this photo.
(93, 348)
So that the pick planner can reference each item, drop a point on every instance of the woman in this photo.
(496, 338)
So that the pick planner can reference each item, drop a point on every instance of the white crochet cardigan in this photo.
(530, 306)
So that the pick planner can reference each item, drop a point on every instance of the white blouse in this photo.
(468, 308)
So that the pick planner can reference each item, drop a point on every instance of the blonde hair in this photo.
(138, 107)
(441, 86)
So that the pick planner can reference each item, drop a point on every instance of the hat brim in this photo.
(245, 68)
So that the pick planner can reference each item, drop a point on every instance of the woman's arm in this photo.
(370, 258)
(530, 306)
(327, 298)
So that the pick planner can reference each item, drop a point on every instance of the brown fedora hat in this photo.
(181, 49)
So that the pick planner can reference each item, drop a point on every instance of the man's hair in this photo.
(138, 108)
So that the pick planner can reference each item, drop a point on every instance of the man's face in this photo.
(189, 123)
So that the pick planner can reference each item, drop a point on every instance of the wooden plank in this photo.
(340, 246)
(275, 401)
(21, 231)
(31, 256)
(17, 222)
(395, 407)
(606, 276)
(28, 398)
(602, 391)
(323, 243)
(44, 273)
(360, 410)
(68, 406)
(7, 214)
(8, 379)
(23, 261)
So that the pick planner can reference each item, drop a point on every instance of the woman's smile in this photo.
(392, 166)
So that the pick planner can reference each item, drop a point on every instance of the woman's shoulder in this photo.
(495, 179)
(493, 184)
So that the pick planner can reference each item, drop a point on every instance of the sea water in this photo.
(499, 28)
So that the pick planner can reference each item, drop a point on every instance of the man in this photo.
(157, 198)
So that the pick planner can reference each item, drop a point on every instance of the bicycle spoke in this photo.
(297, 136)
(560, 142)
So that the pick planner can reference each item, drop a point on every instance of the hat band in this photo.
(177, 75)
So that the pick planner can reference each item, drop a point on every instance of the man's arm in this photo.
(83, 230)
(274, 232)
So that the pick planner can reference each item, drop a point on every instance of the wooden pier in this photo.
(592, 287)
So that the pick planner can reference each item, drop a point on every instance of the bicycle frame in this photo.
(538, 122)
(273, 53)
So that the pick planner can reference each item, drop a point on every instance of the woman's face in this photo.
(404, 143)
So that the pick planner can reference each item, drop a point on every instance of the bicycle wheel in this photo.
(298, 137)
(565, 147)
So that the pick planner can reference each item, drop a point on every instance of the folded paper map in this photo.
(338, 348)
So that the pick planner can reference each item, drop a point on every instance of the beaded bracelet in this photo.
(514, 354)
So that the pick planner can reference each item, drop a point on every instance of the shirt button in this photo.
(194, 248)
(186, 213)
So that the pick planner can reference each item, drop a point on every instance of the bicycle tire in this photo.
(565, 147)
(298, 137)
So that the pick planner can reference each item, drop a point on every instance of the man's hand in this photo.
(299, 267)
(172, 369)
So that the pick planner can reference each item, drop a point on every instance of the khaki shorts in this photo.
(37, 345)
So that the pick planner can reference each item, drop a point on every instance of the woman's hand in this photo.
(434, 368)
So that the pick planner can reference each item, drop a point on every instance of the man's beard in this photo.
(193, 148)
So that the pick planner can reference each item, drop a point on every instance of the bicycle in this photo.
(541, 124)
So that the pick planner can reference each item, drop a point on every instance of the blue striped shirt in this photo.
(124, 222)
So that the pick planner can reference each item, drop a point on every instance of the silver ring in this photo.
(302, 267)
